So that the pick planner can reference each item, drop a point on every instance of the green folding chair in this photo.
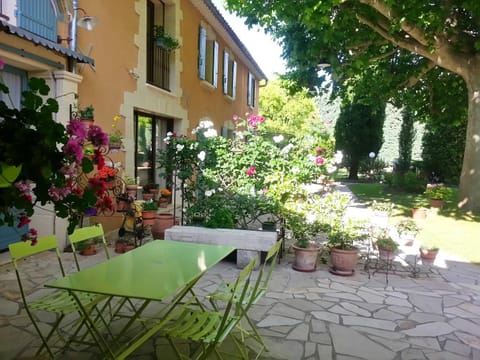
(84, 234)
(254, 292)
(88, 233)
(60, 303)
(208, 329)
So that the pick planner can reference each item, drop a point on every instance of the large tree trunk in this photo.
(469, 192)
(353, 170)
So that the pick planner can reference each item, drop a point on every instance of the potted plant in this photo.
(149, 211)
(165, 197)
(437, 194)
(87, 114)
(269, 224)
(429, 252)
(386, 245)
(381, 212)
(131, 186)
(164, 40)
(115, 140)
(343, 252)
(305, 248)
(408, 230)
(87, 248)
(123, 245)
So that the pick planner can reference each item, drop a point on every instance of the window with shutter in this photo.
(229, 75)
(202, 52)
(251, 90)
(38, 17)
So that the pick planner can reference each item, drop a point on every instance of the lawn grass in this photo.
(453, 231)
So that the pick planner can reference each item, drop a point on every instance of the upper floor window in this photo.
(229, 75)
(207, 58)
(159, 60)
(251, 90)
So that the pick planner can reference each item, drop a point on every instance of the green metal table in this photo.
(153, 272)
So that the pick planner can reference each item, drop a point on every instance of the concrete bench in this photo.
(249, 243)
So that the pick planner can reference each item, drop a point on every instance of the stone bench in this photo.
(249, 243)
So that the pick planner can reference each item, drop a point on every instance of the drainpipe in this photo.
(73, 26)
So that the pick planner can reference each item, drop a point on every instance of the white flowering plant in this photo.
(253, 174)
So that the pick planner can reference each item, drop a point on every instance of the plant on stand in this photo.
(164, 40)
(385, 244)
(408, 230)
(149, 211)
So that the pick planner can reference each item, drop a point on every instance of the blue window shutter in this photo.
(234, 79)
(202, 49)
(38, 17)
(225, 72)
(215, 64)
(249, 90)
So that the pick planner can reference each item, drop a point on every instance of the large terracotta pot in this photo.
(149, 217)
(162, 222)
(305, 258)
(132, 190)
(343, 261)
(419, 213)
(437, 203)
(428, 254)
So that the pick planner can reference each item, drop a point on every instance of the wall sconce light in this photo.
(87, 22)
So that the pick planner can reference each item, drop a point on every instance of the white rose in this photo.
(180, 147)
(201, 155)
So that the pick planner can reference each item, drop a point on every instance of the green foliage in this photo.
(163, 39)
(438, 192)
(420, 55)
(410, 182)
(115, 136)
(385, 242)
(359, 131)
(407, 225)
(149, 206)
(407, 136)
(248, 176)
(288, 114)
(87, 113)
(443, 151)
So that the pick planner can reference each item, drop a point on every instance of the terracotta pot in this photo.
(343, 261)
(419, 213)
(132, 190)
(428, 254)
(114, 145)
(437, 203)
(147, 196)
(89, 251)
(162, 222)
(148, 217)
(88, 122)
(305, 258)
(386, 254)
(163, 202)
(120, 247)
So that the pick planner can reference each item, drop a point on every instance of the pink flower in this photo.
(24, 220)
(319, 151)
(319, 160)
(2, 64)
(74, 149)
(235, 117)
(264, 190)
(96, 136)
(31, 235)
(250, 171)
(77, 128)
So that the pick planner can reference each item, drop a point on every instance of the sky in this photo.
(264, 50)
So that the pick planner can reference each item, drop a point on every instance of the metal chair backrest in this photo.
(240, 288)
(21, 250)
(87, 233)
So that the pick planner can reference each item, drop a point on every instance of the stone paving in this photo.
(317, 315)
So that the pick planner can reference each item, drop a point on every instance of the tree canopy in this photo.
(387, 49)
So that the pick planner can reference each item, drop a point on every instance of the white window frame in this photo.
(251, 90)
(207, 58)
(229, 75)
